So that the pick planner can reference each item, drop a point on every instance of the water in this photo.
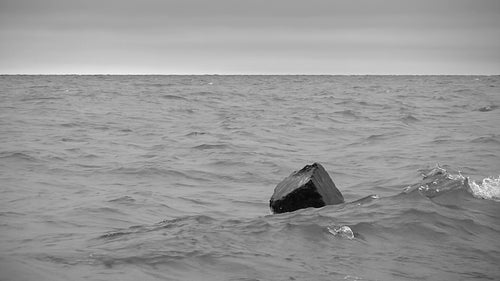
(169, 177)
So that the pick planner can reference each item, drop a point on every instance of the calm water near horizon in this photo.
(169, 177)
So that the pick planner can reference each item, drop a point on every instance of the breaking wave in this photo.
(488, 188)
(438, 180)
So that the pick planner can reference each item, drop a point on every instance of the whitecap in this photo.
(489, 188)
(343, 231)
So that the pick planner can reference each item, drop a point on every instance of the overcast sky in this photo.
(250, 37)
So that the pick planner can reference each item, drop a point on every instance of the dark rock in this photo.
(309, 187)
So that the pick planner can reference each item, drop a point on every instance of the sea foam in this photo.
(489, 188)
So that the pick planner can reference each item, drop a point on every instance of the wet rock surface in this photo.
(309, 187)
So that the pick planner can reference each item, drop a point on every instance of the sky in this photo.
(250, 37)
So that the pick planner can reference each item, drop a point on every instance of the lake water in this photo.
(169, 177)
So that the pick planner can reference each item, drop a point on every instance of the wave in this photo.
(159, 85)
(195, 134)
(202, 94)
(176, 224)
(123, 199)
(412, 219)
(488, 188)
(493, 139)
(18, 155)
(386, 218)
(145, 171)
(173, 97)
(438, 181)
(409, 211)
(40, 98)
(192, 175)
(211, 146)
(348, 113)
(409, 119)
(488, 108)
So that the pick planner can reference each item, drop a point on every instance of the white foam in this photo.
(342, 231)
(489, 188)
(456, 177)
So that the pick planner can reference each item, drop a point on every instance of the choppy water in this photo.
(169, 177)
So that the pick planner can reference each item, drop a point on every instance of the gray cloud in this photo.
(229, 36)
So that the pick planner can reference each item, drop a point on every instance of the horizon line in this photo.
(232, 74)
